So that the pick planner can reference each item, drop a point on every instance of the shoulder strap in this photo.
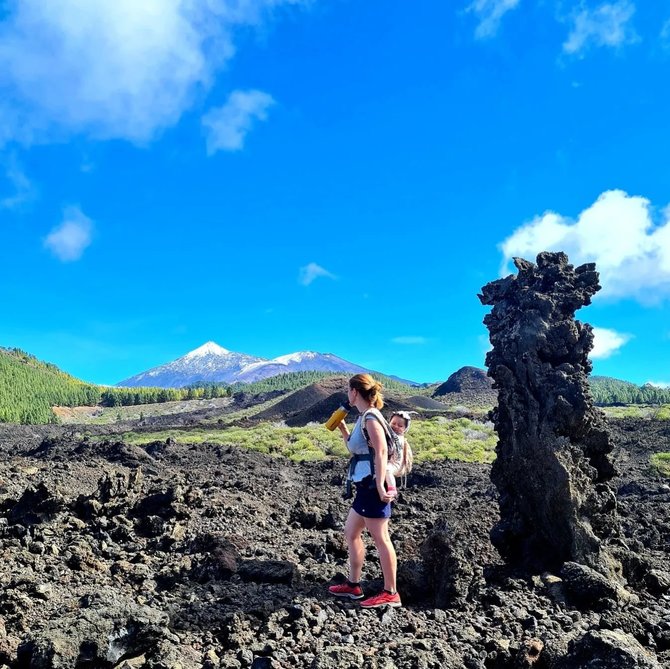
(373, 411)
(387, 432)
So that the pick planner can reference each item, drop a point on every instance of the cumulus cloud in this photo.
(122, 69)
(227, 126)
(606, 25)
(490, 13)
(659, 384)
(310, 272)
(410, 340)
(617, 232)
(606, 342)
(69, 240)
(20, 188)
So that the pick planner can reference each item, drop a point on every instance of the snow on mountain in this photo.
(209, 363)
(298, 357)
(210, 348)
(302, 361)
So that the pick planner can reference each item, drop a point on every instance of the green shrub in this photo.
(661, 463)
(663, 412)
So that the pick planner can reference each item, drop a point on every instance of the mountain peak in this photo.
(211, 363)
(210, 348)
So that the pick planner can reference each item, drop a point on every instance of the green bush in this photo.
(663, 412)
(661, 463)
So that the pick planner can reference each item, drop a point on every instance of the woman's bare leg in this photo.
(353, 529)
(379, 530)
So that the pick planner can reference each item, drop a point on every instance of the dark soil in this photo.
(177, 555)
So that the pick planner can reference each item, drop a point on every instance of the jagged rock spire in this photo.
(552, 456)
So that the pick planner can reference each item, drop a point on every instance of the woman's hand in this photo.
(342, 427)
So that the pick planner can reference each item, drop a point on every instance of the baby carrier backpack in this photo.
(399, 450)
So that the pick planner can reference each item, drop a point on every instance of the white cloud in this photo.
(113, 69)
(490, 13)
(659, 384)
(606, 342)
(310, 272)
(617, 233)
(69, 240)
(411, 340)
(606, 25)
(227, 126)
(20, 187)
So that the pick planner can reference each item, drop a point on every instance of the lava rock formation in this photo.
(552, 463)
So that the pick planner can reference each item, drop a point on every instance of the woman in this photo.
(371, 508)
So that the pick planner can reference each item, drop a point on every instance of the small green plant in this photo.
(663, 412)
(661, 463)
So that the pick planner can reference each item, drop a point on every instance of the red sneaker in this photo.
(384, 598)
(346, 590)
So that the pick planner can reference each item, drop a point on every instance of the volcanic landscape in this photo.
(178, 555)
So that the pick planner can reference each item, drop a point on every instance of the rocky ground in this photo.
(186, 556)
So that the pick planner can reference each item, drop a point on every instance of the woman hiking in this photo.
(371, 508)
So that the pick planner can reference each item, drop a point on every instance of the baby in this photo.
(399, 423)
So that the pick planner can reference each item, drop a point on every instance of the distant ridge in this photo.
(211, 363)
(607, 391)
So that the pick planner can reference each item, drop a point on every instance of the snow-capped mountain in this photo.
(302, 361)
(211, 363)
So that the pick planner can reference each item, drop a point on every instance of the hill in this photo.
(466, 379)
(608, 391)
(29, 388)
(467, 387)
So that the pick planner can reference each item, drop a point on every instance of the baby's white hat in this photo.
(405, 416)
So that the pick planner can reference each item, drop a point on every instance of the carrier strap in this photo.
(362, 457)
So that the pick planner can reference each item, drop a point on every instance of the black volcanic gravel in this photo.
(177, 555)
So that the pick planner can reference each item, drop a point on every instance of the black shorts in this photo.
(367, 502)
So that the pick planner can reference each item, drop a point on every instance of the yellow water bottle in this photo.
(338, 416)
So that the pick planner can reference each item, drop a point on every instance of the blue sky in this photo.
(331, 175)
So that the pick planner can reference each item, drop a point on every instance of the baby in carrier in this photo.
(399, 423)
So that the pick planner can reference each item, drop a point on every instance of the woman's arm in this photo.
(378, 445)
(344, 431)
